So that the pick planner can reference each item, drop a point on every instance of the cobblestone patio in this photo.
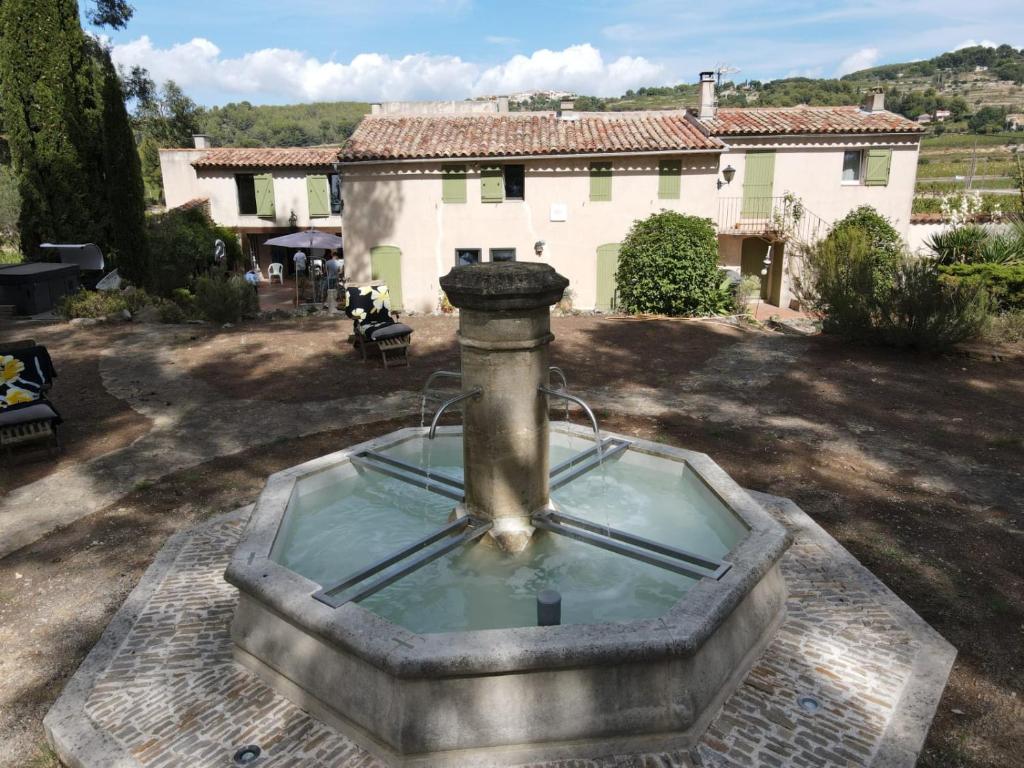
(161, 688)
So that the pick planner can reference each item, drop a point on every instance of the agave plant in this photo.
(959, 245)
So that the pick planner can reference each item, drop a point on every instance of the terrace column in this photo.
(504, 332)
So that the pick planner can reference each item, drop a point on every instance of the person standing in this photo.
(299, 261)
(333, 267)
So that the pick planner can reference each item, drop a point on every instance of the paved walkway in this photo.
(192, 424)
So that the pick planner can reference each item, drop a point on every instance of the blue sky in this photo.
(286, 51)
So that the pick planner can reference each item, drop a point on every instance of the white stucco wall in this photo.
(183, 182)
(400, 204)
(811, 168)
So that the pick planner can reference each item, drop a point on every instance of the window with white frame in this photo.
(853, 160)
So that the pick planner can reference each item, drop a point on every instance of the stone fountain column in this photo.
(504, 332)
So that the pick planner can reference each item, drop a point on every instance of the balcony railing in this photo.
(779, 218)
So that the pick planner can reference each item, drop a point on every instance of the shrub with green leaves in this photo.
(840, 282)
(93, 304)
(1004, 283)
(225, 299)
(921, 311)
(668, 264)
(974, 244)
(181, 247)
(884, 243)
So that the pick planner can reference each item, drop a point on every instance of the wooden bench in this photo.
(399, 347)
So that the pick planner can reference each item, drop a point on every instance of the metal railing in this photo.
(778, 218)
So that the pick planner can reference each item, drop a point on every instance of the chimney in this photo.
(706, 104)
(567, 109)
(502, 104)
(874, 100)
(202, 141)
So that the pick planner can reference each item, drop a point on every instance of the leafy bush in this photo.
(921, 311)
(1004, 283)
(95, 304)
(748, 288)
(839, 282)
(958, 245)
(225, 299)
(883, 240)
(668, 264)
(10, 255)
(170, 312)
(135, 299)
(181, 244)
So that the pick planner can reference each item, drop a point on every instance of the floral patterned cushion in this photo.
(369, 307)
(25, 374)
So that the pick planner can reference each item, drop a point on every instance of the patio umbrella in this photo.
(309, 238)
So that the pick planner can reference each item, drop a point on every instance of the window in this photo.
(334, 182)
(515, 182)
(246, 185)
(503, 254)
(466, 256)
(852, 161)
(601, 182)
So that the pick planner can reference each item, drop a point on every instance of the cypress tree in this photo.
(122, 179)
(48, 101)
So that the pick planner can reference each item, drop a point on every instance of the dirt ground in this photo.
(912, 462)
(95, 422)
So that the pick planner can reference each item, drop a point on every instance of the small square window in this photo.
(851, 166)
(515, 182)
(466, 256)
(246, 185)
(503, 254)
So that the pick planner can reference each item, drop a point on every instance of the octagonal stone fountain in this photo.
(406, 590)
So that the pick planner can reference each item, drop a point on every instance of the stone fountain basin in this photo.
(505, 696)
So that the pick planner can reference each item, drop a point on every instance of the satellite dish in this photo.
(219, 250)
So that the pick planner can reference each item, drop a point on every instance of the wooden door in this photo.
(386, 266)
(607, 266)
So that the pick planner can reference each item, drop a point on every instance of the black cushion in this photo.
(40, 410)
(389, 331)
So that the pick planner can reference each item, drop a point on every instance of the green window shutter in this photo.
(316, 191)
(600, 182)
(877, 173)
(264, 184)
(758, 180)
(492, 185)
(607, 266)
(669, 173)
(453, 183)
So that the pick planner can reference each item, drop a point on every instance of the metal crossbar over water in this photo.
(468, 529)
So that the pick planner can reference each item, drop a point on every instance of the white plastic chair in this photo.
(276, 270)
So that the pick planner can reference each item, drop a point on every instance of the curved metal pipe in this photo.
(425, 392)
(474, 392)
(554, 369)
(586, 408)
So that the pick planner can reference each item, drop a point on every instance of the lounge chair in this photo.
(369, 306)
(26, 375)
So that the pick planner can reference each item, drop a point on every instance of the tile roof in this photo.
(394, 137)
(759, 121)
(195, 202)
(267, 157)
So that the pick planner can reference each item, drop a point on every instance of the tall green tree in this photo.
(48, 101)
(122, 176)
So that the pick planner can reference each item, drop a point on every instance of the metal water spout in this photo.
(582, 404)
(475, 392)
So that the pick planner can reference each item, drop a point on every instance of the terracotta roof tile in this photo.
(267, 157)
(761, 121)
(395, 137)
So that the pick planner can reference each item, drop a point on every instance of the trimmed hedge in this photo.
(668, 264)
(1004, 283)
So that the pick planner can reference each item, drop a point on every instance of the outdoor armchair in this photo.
(369, 306)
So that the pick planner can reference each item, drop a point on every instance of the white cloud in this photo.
(862, 59)
(972, 42)
(276, 74)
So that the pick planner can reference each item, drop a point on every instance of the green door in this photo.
(607, 266)
(758, 176)
(386, 266)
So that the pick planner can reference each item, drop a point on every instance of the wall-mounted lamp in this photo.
(729, 173)
(538, 247)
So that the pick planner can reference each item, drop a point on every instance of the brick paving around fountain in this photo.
(161, 688)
